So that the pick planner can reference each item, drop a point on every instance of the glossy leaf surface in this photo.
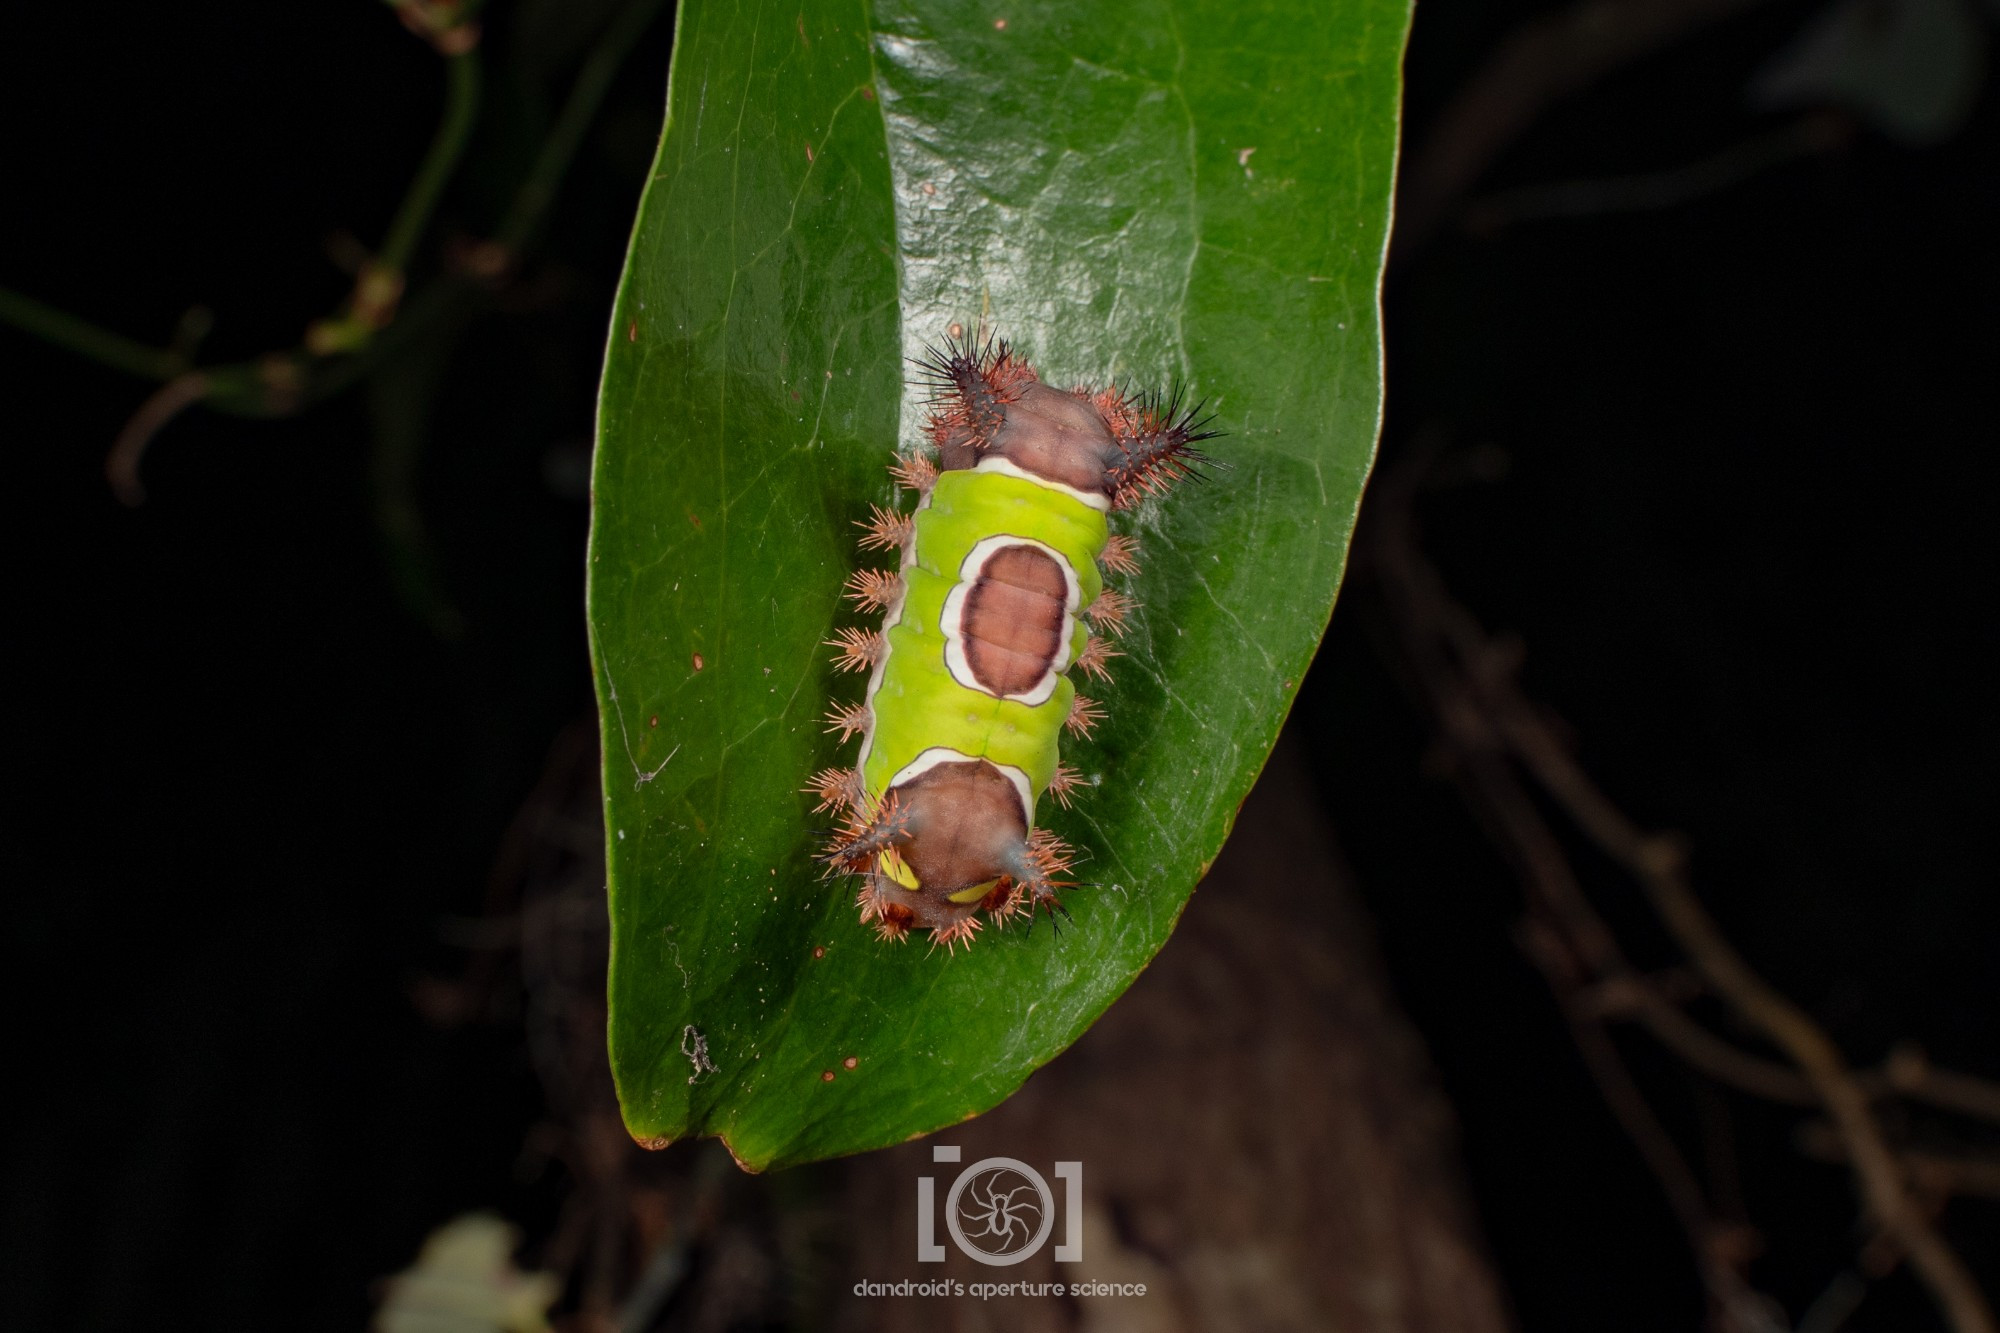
(1146, 192)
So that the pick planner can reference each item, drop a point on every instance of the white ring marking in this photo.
(940, 754)
(952, 621)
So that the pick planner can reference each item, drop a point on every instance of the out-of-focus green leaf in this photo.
(1139, 191)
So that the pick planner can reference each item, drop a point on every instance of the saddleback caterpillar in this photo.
(997, 597)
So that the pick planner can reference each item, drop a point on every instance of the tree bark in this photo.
(1264, 1144)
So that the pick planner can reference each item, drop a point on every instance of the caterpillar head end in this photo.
(962, 850)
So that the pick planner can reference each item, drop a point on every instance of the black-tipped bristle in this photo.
(949, 365)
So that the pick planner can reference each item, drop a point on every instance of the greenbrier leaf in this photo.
(1147, 192)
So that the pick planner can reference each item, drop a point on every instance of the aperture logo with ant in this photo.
(1000, 1211)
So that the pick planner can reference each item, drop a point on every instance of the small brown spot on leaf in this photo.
(632, 332)
(867, 92)
(1000, 24)
(698, 663)
(826, 1076)
(653, 721)
(929, 188)
(654, 1144)
(849, 1062)
(819, 951)
(809, 152)
(695, 519)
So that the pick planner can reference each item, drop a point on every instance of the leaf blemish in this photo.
(695, 1047)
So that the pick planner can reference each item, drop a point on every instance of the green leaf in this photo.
(1141, 191)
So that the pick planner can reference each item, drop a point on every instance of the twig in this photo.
(1719, 1248)
(378, 287)
(1947, 1172)
(593, 83)
(1564, 937)
(1909, 1072)
(375, 322)
(1842, 1297)
(1658, 863)
(1469, 683)
(76, 334)
(441, 159)
(1818, 132)
(121, 465)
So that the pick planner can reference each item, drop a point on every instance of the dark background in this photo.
(1738, 470)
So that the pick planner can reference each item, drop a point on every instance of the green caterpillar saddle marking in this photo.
(998, 597)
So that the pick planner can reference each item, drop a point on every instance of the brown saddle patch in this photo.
(1013, 619)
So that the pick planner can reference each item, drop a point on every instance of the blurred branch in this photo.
(1659, 863)
(1807, 136)
(1906, 1073)
(76, 334)
(1720, 1250)
(1910, 1073)
(378, 287)
(446, 24)
(1564, 937)
(1944, 1172)
(593, 83)
(121, 465)
(375, 321)
(1543, 61)
(1495, 735)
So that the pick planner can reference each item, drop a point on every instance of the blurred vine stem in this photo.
(375, 321)
(1492, 736)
